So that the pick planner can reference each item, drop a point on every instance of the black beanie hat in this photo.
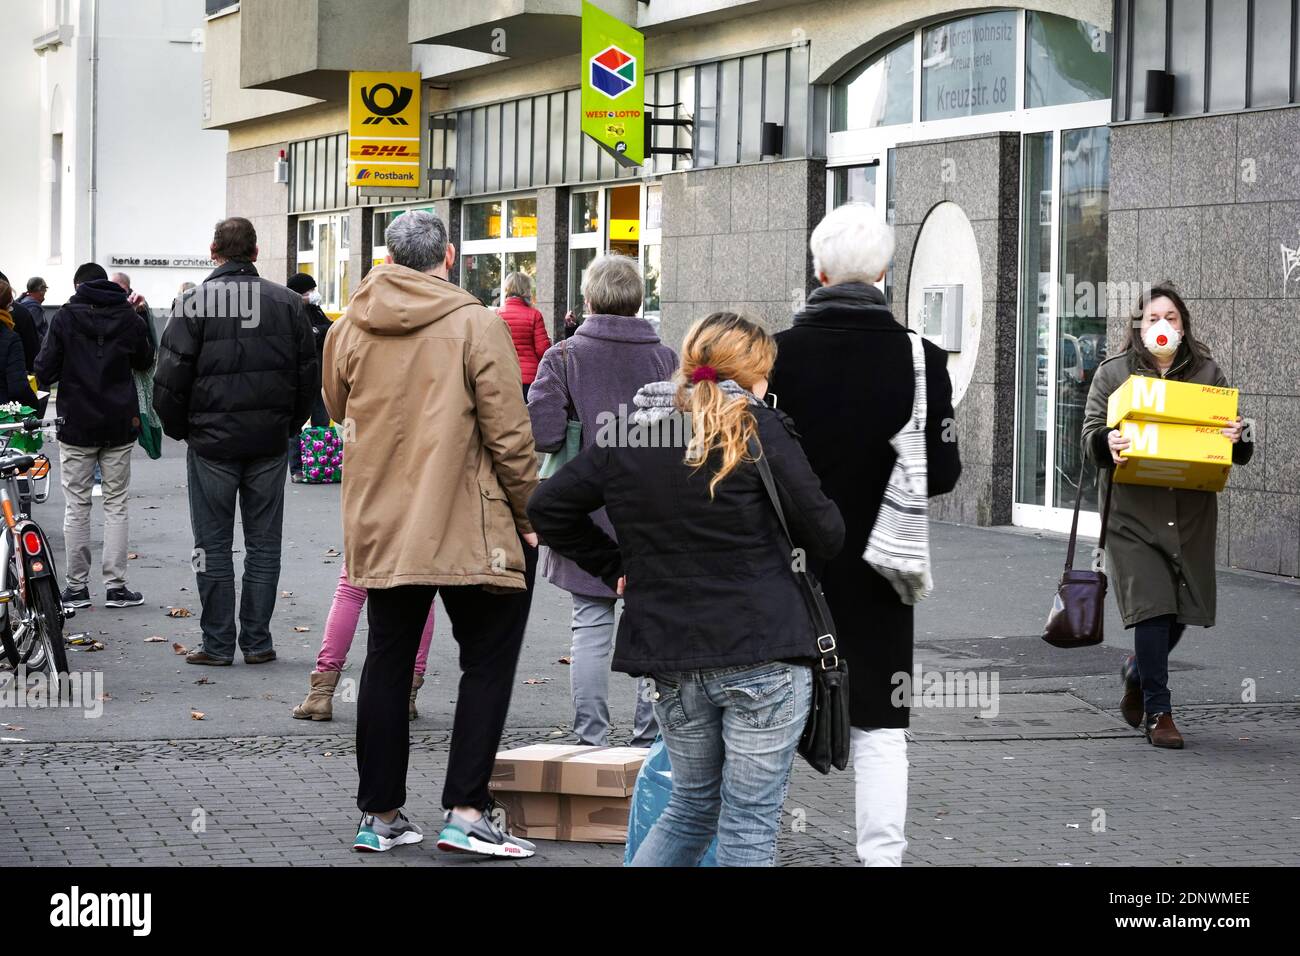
(88, 272)
(300, 282)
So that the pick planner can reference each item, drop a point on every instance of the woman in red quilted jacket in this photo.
(527, 327)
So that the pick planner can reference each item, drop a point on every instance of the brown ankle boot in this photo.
(1162, 732)
(319, 703)
(416, 683)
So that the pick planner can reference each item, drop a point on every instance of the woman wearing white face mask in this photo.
(1160, 541)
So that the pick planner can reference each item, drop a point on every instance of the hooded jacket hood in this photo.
(395, 300)
(99, 292)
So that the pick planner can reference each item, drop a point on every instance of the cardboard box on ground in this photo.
(567, 792)
(1174, 432)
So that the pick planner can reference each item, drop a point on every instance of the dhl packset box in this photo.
(567, 792)
(1174, 432)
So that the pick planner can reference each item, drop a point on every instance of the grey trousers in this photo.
(77, 475)
(593, 641)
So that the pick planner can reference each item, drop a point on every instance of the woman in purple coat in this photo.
(612, 354)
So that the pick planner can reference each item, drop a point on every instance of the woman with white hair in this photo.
(600, 368)
(844, 373)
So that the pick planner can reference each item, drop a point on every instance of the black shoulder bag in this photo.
(825, 740)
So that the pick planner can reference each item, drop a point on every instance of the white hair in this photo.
(852, 244)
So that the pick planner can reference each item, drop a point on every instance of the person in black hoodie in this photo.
(845, 375)
(93, 344)
(237, 373)
(305, 286)
(13, 370)
(714, 611)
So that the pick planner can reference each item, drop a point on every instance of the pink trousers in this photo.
(341, 627)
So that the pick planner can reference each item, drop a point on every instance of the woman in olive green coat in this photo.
(1160, 543)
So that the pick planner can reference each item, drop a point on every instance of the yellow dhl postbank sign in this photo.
(1161, 400)
(384, 130)
(1195, 457)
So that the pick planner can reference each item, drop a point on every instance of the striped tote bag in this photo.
(899, 545)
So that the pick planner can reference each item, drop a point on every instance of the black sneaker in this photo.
(75, 597)
(122, 597)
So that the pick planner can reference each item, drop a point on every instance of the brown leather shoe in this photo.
(1162, 732)
(200, 656)
(262, 658)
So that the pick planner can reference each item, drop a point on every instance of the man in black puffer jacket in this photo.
(237, 374)
(93, 344)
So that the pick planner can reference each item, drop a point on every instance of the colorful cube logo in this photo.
(613, 72)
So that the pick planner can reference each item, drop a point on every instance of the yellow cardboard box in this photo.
(1196, 457)
(1151, 399)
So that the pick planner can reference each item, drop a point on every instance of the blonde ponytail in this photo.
(719, 347)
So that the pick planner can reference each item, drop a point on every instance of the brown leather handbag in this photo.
(1079, 610)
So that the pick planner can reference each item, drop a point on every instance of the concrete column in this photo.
(551, 295)
(251, 193)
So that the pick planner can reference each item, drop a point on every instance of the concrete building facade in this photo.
(104, 162)
(1033, 184)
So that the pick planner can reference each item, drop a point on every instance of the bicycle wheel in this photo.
(47, 620)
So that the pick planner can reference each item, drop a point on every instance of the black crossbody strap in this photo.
(570, 412)
(816, 601)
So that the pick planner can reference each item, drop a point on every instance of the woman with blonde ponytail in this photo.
(714, 612)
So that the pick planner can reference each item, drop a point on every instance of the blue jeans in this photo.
(257, 484)
(731, 734)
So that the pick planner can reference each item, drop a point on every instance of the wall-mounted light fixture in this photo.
(1159, 97)
(281, 172)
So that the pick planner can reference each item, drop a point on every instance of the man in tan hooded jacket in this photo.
(439, 465)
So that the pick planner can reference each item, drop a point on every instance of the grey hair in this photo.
(612, 285)
(520, 286)
(417, 240)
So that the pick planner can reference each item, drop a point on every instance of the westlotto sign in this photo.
(384, 129)
(613, 85)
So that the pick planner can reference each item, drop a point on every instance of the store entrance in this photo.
(624, 220)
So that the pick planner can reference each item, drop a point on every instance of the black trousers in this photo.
(1153, 639)
(489, 630)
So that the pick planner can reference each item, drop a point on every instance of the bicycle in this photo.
(31, 610)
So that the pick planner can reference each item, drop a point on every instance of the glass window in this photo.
(650, 269)
(796, 131)
(1186, 58)
(481, 277)
(968, 66)
(706, 115)
(522, 218)
(1147, 47)
(685, 111)
(540, 140)
(584, 215)
(1035, 319)
(525, 262)
(855, 184)
(1228, 58)
(729, 113)
(654, 206)
(306, 235)
(556, 172)
(482, 220)
(876, 93)
(573, 136)
(579, 259)
(751, 116)
(509, 127)
(1270, 53)
(1081, 335)
(1066, 61)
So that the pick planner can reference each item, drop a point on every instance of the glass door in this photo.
(324, 252)
(1063, 309)
(625, 220)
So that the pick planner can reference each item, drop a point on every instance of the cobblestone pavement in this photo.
(1074, 800)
